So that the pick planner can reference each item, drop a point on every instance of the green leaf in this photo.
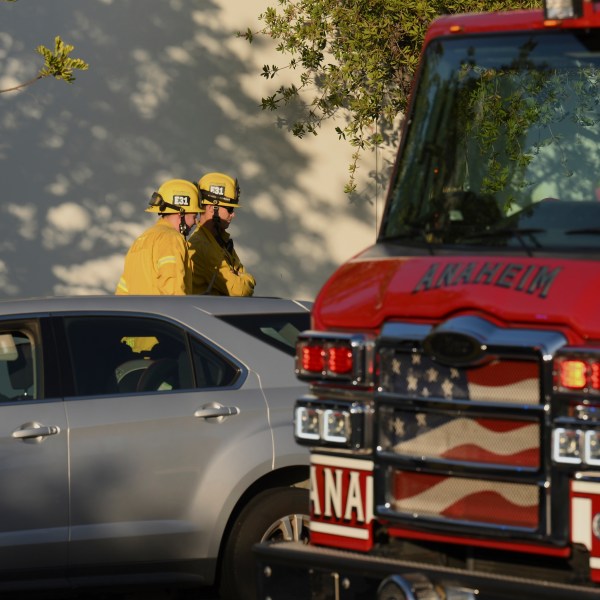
(58, 64)
(357, 58)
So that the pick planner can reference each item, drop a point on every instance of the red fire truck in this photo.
(454, 366)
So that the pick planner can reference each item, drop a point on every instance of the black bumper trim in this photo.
(309, 566)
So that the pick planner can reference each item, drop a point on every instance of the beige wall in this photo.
(171, 92)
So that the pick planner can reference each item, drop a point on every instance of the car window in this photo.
(212, 370)
(277, 330)
(17, 366)
(112, 355)
(123, 355)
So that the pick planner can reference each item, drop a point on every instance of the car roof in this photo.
(168, 305)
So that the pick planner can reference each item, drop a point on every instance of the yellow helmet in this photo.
(175, 196)
(219, 189)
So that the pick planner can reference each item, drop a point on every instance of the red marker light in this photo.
(312, 358)
(339, 359)
(595, 383)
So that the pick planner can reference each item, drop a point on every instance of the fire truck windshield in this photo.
(503, 146)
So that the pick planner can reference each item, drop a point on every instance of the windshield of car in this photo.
(503, 146)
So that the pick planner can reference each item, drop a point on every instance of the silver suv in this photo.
(147, 438)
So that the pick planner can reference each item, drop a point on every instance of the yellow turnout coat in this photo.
(158, 262)
(216, 270)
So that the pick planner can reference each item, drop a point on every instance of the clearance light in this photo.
(573, 374)
(563, 9)
(330, 423)
(340, 357)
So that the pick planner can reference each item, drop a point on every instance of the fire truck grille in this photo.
(415, 375)
(461, 444)
(510, 442)
(460, 499)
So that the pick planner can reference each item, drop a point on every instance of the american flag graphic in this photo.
(503, 441)
(418, 376)
(457, 498)
(461, 435)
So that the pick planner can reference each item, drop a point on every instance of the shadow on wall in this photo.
(162, 99)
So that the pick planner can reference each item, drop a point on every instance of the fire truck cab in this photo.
(454, 366)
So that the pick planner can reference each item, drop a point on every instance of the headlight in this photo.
(308, 423)
(336, 426)
(592, 447)
(332, 423)
(566, 445)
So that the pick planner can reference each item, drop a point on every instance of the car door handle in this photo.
(34, 430)
(216, 410)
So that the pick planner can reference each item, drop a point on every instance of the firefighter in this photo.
(158, 262)
(217, 269)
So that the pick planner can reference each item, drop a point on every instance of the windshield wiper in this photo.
(585, 231)
(519, 234)
(414, 234)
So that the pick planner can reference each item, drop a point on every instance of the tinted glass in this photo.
(18, 372)
(211, 369)
(278, 330)
(112, 355)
